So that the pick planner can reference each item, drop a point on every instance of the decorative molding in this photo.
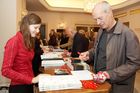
(135, 11)
(121, 15)
(131, 12)
(137, 29)
(84, 24)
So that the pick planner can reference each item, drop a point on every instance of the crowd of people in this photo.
(115, 55)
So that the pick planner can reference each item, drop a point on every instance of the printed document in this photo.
(58, 82)
(49, 63)
(82, 74)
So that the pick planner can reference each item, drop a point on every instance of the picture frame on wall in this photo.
(78, 28)
(90, 29)
(87, 27)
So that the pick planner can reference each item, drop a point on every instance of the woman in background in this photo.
(18, 55)
(53, 38)
(64, 39)
(80, 43)
(36, 64)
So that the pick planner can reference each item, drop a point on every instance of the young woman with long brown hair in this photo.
(18, 55)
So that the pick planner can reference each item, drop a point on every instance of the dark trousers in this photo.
(21, 89)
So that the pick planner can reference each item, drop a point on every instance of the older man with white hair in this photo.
(116, 54)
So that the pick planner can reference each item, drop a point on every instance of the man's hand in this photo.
(101, 77)
(84, 56)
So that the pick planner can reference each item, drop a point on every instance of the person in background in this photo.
(64, 39)
(80, 43)
(36, 64)
(53, 38)
(92, 39)
(116, 52)
(18, 55)
(77, 41)
(69, 32)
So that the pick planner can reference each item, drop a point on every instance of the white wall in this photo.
(7, 25)
(53, 19)
(11, 13)
(133, 19)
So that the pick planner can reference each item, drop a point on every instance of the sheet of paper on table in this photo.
(58, 50)
(48, 63)
(50, 55)
(47, 83)
(82, 74)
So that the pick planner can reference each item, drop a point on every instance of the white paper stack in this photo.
(58, 50)
(51, 55)
(47, 83)
(82, 74)
(53, 63)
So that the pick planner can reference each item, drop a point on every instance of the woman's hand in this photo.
(36, 79)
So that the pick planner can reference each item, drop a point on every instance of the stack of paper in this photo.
(58, 50)
(51, 55)
(47, 83)
(82, 74)
(48, 63)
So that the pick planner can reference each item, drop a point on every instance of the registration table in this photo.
(102, 88)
